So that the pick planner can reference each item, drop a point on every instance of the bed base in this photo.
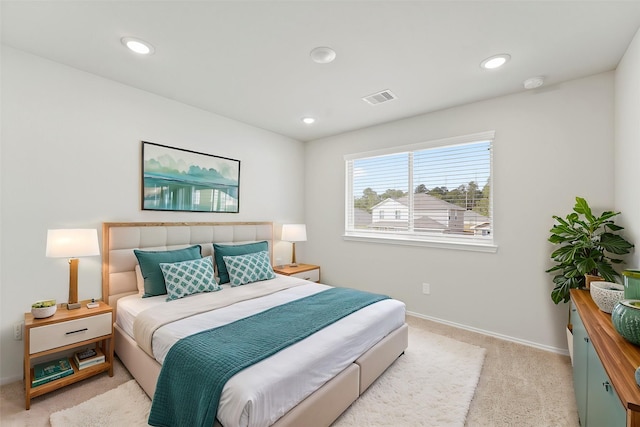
(321, 408)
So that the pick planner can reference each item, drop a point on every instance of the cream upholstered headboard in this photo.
(119, 239)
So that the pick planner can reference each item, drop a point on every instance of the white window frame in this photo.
(475, 243)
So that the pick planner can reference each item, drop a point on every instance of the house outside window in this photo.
(439, 193)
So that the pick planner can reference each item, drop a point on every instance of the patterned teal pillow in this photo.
(220, 251)
(249, 268)
(189, 277)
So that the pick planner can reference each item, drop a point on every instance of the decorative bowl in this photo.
(606, 295)
(44, 308)
(626, 319)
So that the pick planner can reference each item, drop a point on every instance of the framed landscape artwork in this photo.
(174, 179)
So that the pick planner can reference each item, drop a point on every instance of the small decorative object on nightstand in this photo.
(60, 334)
(303, 271)
(44, 308)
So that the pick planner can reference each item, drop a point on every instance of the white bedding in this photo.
(261, 394)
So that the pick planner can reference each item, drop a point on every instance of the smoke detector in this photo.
(323, 55)
(380, 97)
(533, 82)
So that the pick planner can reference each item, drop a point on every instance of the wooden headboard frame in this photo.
(120, 238)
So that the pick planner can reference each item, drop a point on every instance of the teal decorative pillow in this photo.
(150, 266)
(249, 268)
(189, 277)
(220, 251)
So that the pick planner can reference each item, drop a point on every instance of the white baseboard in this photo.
(557, 350)
(9, 380)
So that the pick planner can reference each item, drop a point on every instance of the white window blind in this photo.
(437, 191)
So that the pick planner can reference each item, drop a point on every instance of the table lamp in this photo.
(72, 243)
(294, 233)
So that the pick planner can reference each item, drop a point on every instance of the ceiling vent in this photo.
(380, 97)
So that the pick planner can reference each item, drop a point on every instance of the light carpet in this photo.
(432, 384)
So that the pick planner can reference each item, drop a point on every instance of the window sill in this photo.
(460, 245)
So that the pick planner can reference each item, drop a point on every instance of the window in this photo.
(439, 193)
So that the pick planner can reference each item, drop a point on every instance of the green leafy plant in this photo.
(43, 304)
(587, 245)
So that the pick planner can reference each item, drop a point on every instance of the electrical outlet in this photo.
(17, 331)
(426, 288)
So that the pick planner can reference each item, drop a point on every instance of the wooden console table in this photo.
(618, 357)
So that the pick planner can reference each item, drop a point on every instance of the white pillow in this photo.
(139, 280)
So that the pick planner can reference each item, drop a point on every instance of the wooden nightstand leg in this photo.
(109, 344)
(27, 395)
(27, 383)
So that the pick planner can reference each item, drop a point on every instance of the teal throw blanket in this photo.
(197, 367)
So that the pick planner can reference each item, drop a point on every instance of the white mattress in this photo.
(261, 394)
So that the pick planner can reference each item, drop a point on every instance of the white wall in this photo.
(551, 145)
(71, 159)
(627, 146)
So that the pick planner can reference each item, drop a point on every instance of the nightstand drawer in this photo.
(311, 275)
(63, 333)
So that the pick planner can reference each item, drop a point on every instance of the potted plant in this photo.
(588, 244)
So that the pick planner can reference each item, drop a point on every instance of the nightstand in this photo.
(61, 334)
(302, 271)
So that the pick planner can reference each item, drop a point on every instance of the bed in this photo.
(325, 373)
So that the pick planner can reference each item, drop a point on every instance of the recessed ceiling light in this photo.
(137, 45)
(495, 61)
(308, 120)
(323, 55)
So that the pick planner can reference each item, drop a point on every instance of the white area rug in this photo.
(125, 405)
(432, 384)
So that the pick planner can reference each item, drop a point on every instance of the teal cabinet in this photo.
(597, 401)
(580, 363)
(603, 404)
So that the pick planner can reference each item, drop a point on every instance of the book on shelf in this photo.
(85, 354)
(51, 370)
(88, 357)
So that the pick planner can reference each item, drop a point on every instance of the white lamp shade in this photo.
(72, 243)
(294, 232)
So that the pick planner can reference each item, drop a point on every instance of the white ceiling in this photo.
(250, 60)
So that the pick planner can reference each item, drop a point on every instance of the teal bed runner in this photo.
(197, 367)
